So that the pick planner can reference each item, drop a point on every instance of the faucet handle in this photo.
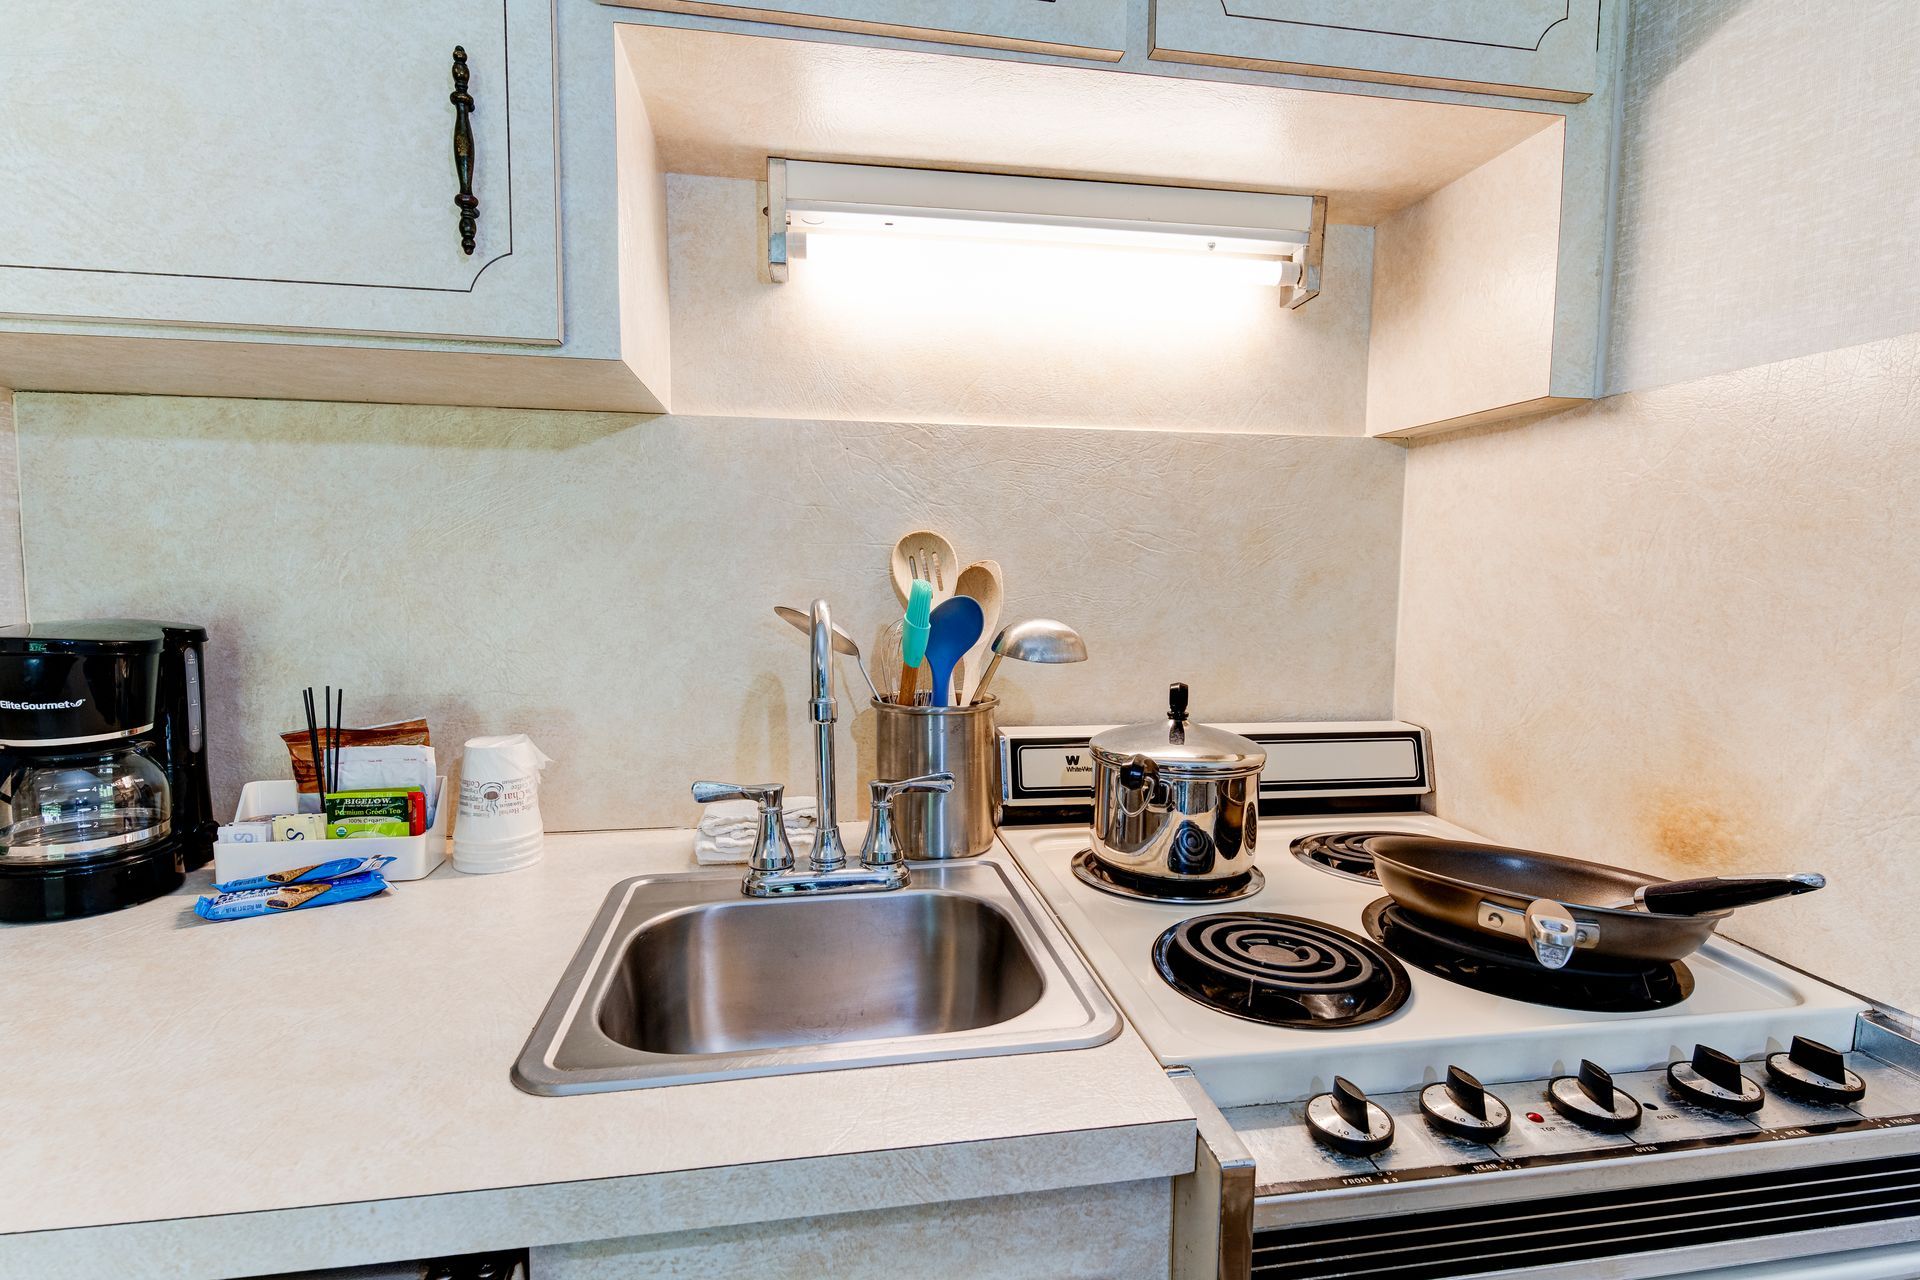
(766, 793)
(882, 792)
(880, 848)
(772, 851)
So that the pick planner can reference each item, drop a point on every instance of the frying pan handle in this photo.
(1723, 893)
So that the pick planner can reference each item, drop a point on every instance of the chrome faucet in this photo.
(770, 870)
(829, 853)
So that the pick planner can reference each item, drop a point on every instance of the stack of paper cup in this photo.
(498, 826)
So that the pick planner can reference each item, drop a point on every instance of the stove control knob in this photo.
(1712, 1080)
(1591, 1100)
(1813, 1072)
(1461, 1107)
(1347, 1122)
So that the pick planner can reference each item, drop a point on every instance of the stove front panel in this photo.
(1289, 1162)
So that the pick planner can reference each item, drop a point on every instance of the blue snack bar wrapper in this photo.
(288, 897)
(336, 870)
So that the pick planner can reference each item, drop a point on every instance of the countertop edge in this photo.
(360, 1232)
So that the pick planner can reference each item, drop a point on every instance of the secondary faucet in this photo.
(770, 869)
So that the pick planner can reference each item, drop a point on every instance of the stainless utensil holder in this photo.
(959, 740)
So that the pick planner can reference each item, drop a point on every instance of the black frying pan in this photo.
(1561, 905)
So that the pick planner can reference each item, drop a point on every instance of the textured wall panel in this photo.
(1771, 183)
(606, 583)
(1680, 630)
(1463, 292)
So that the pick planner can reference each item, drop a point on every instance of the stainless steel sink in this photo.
(681, 979)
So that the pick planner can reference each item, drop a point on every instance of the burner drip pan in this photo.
(1280, 970)
(1512, 972)
(1340, 853)
(1149, 889)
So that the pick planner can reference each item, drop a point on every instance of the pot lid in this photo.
(1178, 743)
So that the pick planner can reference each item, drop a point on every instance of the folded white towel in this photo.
(728, 828)
(722, 814)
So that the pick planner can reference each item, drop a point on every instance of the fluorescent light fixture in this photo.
(1246, 236)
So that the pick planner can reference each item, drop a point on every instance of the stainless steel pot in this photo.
(1175, 805)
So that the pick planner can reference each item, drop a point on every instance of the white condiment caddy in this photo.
(413, 856)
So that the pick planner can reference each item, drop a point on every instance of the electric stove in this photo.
(1349, 1060)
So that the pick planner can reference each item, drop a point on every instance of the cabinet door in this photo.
(1079, 28)
(1526, 48)
(284, 165)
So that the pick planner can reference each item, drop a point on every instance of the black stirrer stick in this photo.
(313, 747)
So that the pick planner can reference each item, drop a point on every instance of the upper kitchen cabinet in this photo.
(288, 166)
(1549, 49)
(1073, 28)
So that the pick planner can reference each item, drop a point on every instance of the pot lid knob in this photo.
(1177, 712)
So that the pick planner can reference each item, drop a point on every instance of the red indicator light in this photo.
(1536, 1117)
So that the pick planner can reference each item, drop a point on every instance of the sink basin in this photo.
(729, 977)
(682, 979)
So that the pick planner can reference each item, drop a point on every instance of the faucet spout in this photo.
(829, 851)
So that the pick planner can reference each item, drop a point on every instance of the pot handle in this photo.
(1723, 893)
(1138, 776)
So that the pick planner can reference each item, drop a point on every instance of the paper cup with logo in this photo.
(497, 827)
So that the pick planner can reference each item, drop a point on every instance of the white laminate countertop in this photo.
(331, 1086)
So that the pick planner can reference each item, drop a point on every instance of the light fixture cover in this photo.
(807, 197)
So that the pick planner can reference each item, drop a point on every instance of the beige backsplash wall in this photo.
(1676, 629)
(1680, 630)
(605, 583)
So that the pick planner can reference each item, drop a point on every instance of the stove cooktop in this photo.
(1741, 1002)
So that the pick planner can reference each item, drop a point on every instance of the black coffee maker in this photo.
(105, 799)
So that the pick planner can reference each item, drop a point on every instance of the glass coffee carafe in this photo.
(98, 801)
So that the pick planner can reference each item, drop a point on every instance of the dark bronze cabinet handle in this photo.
(469, 204)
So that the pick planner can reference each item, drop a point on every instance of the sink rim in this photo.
(568, 1053)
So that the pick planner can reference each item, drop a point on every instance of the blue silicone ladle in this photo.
(955, 628)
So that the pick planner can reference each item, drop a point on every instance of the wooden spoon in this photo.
(933, 555)
(982, 581)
